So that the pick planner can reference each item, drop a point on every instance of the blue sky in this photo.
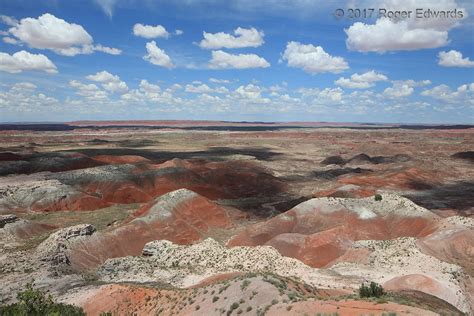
(235, 60)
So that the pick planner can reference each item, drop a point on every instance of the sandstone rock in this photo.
(55, 248)
(188, 265)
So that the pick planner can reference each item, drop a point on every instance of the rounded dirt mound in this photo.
(180, 216)
(318, 231)
(455, 245)
(108, 159)
(333, 160)
(422, 283)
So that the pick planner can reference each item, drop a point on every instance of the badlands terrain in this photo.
(219, 218)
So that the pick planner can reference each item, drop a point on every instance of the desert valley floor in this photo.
(216, 218)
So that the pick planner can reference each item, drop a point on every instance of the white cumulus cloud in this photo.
(204, 88)
(23, 61)
(250, 94)
(324, 95)
(463, 94)
(10, 40)
(8, 20)
(147, 87)
(425, 27)
(89, 91)
(23, 97)
(107, 50)
(363, 81)
(103, 76)
(22, 86)
(454, 58)
(312, 59)
(222, 81)
(243, 38)
(386, 35)
(398, 91)
(157, 56)
(223, 60)
(149, 31)
(403, 88)
(50, 32)
(109, 82)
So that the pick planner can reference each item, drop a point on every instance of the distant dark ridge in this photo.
(66, 127)
(250, 122)
(248, 127)
(36, 127)
(459, 126)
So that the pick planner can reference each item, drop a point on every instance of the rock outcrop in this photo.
(55, 249)
(6, 219)
(188, 265)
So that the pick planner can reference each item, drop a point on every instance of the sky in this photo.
(237, 60)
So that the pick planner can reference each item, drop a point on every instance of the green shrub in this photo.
(33, 302)
(373, 290)
(244, 284)
(378, 197)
